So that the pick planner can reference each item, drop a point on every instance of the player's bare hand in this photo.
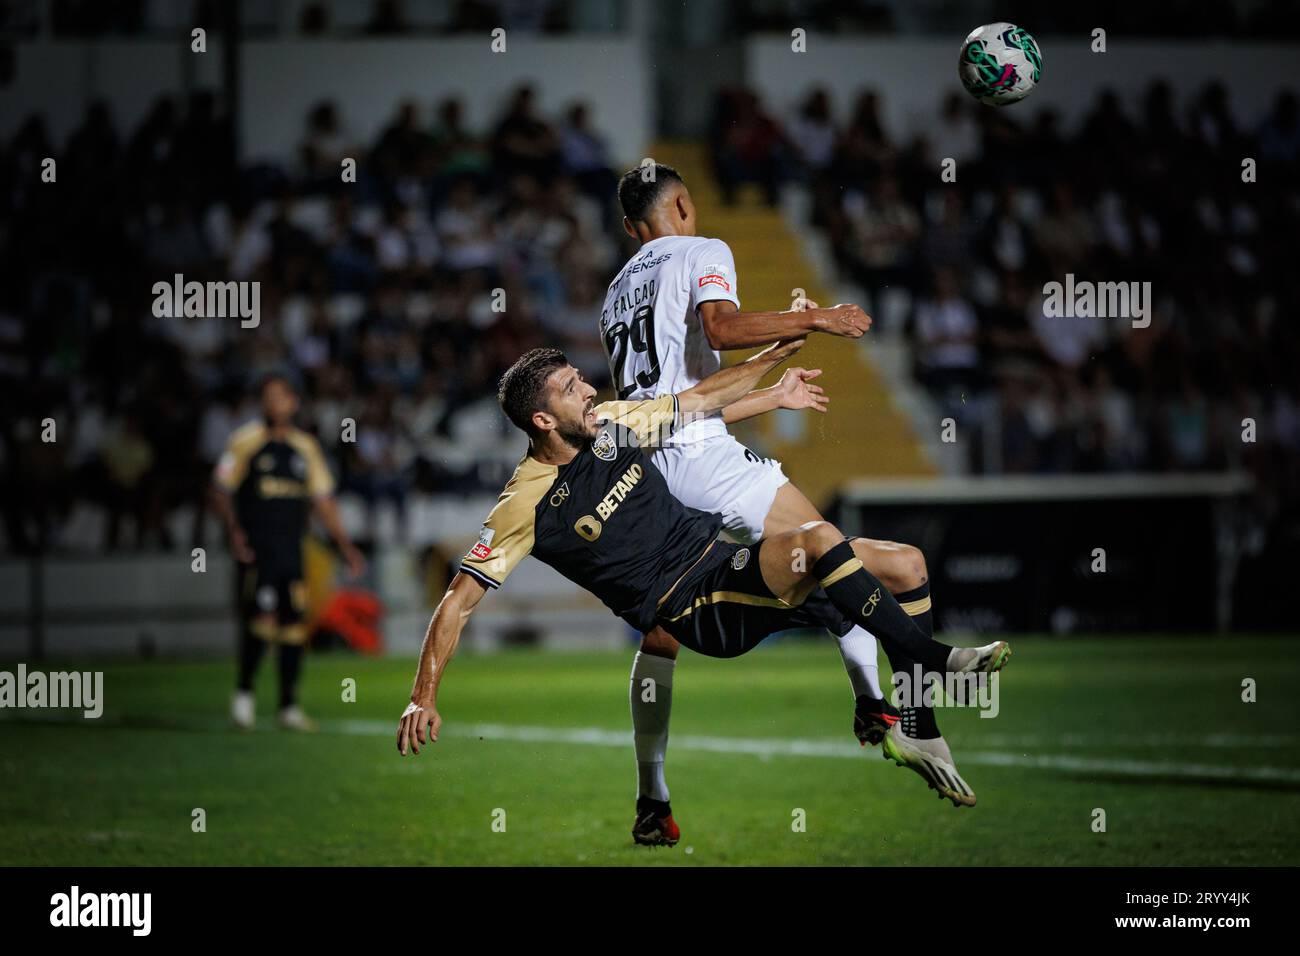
(419, 725)
(797, 390)
(241, 549)
(847, 320)
(356, 561)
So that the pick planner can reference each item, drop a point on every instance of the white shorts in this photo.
(723, 476)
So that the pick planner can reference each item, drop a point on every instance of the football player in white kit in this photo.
(667, 314)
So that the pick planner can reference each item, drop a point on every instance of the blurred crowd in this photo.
(1142, 190)
(387, 298)
(399, 298)
(379, 18)
(1271, 19)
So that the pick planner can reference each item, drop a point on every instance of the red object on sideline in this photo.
(354, 615)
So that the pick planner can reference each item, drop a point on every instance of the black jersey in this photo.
(272, 482)
(606, 520)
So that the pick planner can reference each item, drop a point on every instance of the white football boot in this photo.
(292, 718)
(932, 760)
(243, 710)
(988, 659)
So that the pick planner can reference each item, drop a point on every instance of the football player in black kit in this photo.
(587, 500)
(270, 478)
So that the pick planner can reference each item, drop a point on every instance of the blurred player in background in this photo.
(668, 313)
(269, 480)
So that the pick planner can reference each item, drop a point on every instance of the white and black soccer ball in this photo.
(1000, 63)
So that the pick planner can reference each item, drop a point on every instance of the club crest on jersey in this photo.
(483, 549)
(604, 447)
(265, 462)
(740, 559)
(716, 274)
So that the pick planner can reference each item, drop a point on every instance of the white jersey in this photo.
(649, 327)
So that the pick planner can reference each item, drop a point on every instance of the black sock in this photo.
(251, 648)
(290, 668)
(862, 598)
(918, 722)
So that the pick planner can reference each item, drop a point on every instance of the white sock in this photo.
(858, 648)
(651, 694)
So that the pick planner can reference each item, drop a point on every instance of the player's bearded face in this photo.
(578, 426)
(573, 413)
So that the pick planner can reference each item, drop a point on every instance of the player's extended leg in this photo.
(650, 693)
(916, 742)
(838, 569)
(901, 569)
(832, 563)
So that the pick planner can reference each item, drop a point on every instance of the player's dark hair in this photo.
(638, 197)
(523, 386)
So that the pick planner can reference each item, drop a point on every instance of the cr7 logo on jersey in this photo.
(561, 495)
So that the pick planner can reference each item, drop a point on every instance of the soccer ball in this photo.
(1000, 63)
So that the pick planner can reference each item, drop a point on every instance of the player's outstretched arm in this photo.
(225, 510)
(728, 328)
(729, 385)
(440, 640)
(795, 390)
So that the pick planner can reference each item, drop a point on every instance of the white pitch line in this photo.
(766, 748)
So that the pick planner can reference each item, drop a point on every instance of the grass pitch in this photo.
(1152, 731)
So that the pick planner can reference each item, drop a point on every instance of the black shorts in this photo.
(722, 608)
(265, 593)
